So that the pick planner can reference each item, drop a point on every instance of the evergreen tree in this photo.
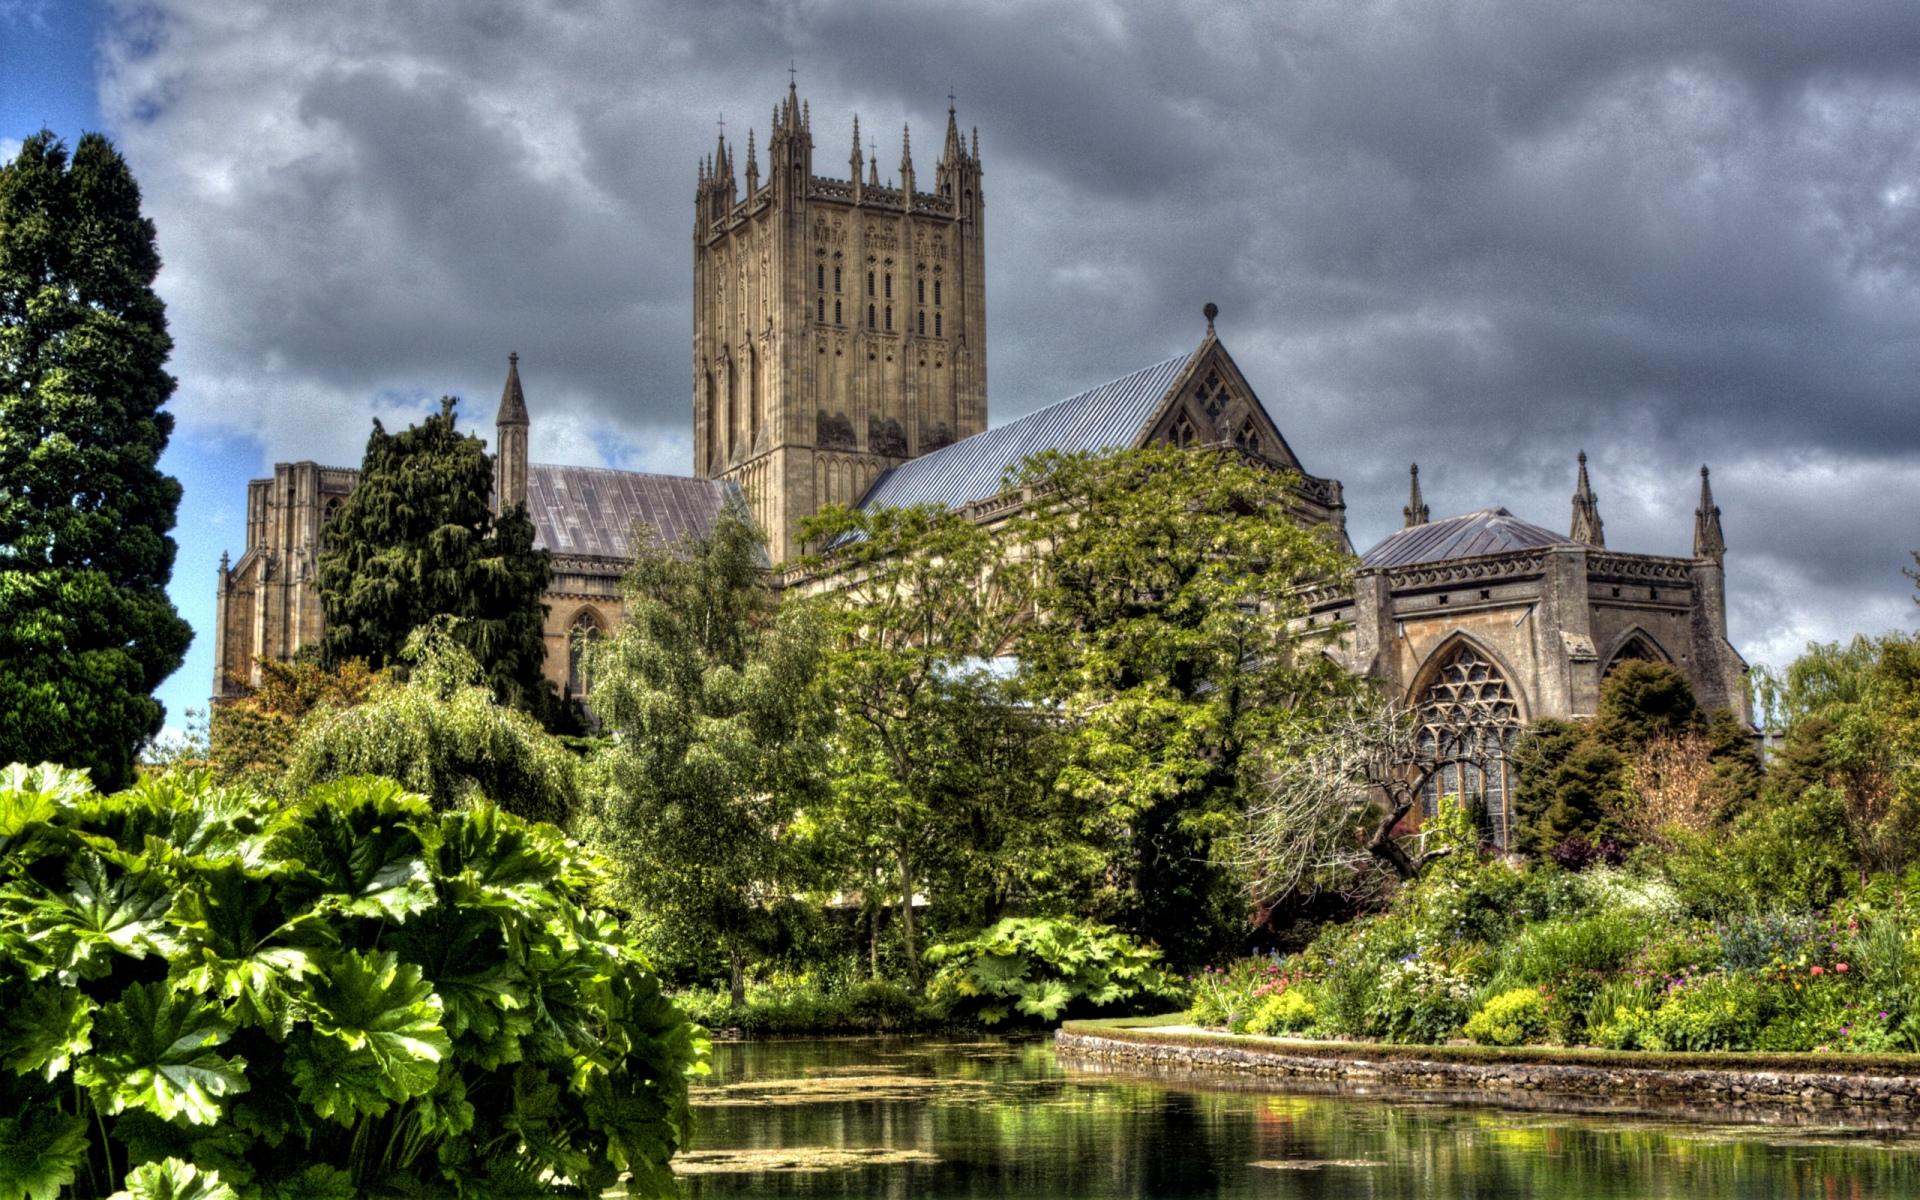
(418, 539)
(86, 629)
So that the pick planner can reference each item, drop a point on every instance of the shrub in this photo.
(344, 995)
(1225, 998)
(1289, 1011)
(1715, 1012)
(1513, 1018)
(1420, 1000)
(1042, 967)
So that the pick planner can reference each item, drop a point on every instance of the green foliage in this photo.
(1641, 701)
(440, 734)
(708, 695)
(1786, 855)
(1226, 997)
(1515, 1017)
(1043, 967)
(1161, 637)
(251, 738)
(922, 605)
(418, 539)
(86, 629)
(786, 1004)
(206, 993)
(1289, 1011)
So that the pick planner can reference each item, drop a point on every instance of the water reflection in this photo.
(935, 1120)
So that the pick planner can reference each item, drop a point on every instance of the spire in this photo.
(1416, 511)
(906, 164)
(873, 168)
(855, 160)
(1586, 511)
(513, 401)
(1708, 542)
(956, 147)
(753, 165)
(976, 143)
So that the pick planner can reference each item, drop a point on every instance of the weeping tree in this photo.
(86, 630)
(418, 539)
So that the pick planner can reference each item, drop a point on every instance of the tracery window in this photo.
(1248, 437)
(1468, 722)
(836, 279)
(836, 312)
(869, 316)
(585, 628)
(1184, 434)
(1212, 395)
(923, 324)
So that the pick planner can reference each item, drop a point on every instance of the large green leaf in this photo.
(104, 911)
(153, 1049)
(357, 841)
(45, 1026)
(171, 1179)
(376, 1037)
(40, 1153)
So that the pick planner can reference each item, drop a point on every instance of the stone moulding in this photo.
(1607, 1083)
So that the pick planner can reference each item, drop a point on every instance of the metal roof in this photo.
(974, 468)
(590, 510)
(1488, 531)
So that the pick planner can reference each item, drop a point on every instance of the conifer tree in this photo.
(86, 629)
(418, 539)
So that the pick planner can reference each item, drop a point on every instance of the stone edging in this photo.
(1719, 1087)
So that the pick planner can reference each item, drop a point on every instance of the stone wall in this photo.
(1728, 1089)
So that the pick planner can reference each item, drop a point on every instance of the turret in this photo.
(510, 442)
(952, 157)
(1586, 511)
(1416, 510)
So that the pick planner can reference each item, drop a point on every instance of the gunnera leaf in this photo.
(40, 1152)
(171, 1179)
(357, 842)
(153, 1049)
(44, 1028)
(376, 1037)
(104, 911)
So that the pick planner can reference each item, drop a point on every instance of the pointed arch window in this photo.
(1635, 649)
(936, 326)
(836, 312)
(889, 316)
(869, 285)
(820, 308)
(836, 280)
(820, 276)
(921, 284)
(869, 316)
(936, 290)
(1183, 432)
(923, 323)
(586, 627)
(1248, 437)
(1468, 719)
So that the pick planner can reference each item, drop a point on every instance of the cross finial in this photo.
(949, 101)
(722, 122)
(792, 72)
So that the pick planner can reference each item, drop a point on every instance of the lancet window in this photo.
(585, 628)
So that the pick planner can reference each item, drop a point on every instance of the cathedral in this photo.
(839, 356)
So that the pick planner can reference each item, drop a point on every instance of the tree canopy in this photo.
(708, 694)
(418, 539)
(86, 630)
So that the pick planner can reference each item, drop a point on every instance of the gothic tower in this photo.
(839, 326)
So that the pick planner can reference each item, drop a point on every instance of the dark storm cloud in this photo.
(1481, 235)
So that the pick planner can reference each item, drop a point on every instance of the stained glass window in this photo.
(1468, 722)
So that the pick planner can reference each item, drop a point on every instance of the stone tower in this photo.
(839, 325)
(510, 442)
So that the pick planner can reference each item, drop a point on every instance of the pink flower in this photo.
(1819, 970)
(1840, 967)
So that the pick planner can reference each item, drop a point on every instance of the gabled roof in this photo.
(1488, 531)
(974, 468)
(590, 510)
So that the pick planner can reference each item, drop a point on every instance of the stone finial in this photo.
(1708, 541)
(1210, 310)
(1416, 511)
(1586, 510)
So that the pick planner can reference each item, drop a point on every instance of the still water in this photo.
(931, 1120)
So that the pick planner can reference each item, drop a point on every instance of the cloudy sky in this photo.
(1473, 233)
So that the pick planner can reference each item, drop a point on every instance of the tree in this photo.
(1333, 803)
(251, 737)
(1165, 593)
(919, 605)
(418, 539)
(86, 629)
(708, 694)
(1642, 701)
(440, 733)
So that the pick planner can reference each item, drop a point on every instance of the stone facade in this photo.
(839, 326)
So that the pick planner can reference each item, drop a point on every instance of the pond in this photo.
(930, 1120)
